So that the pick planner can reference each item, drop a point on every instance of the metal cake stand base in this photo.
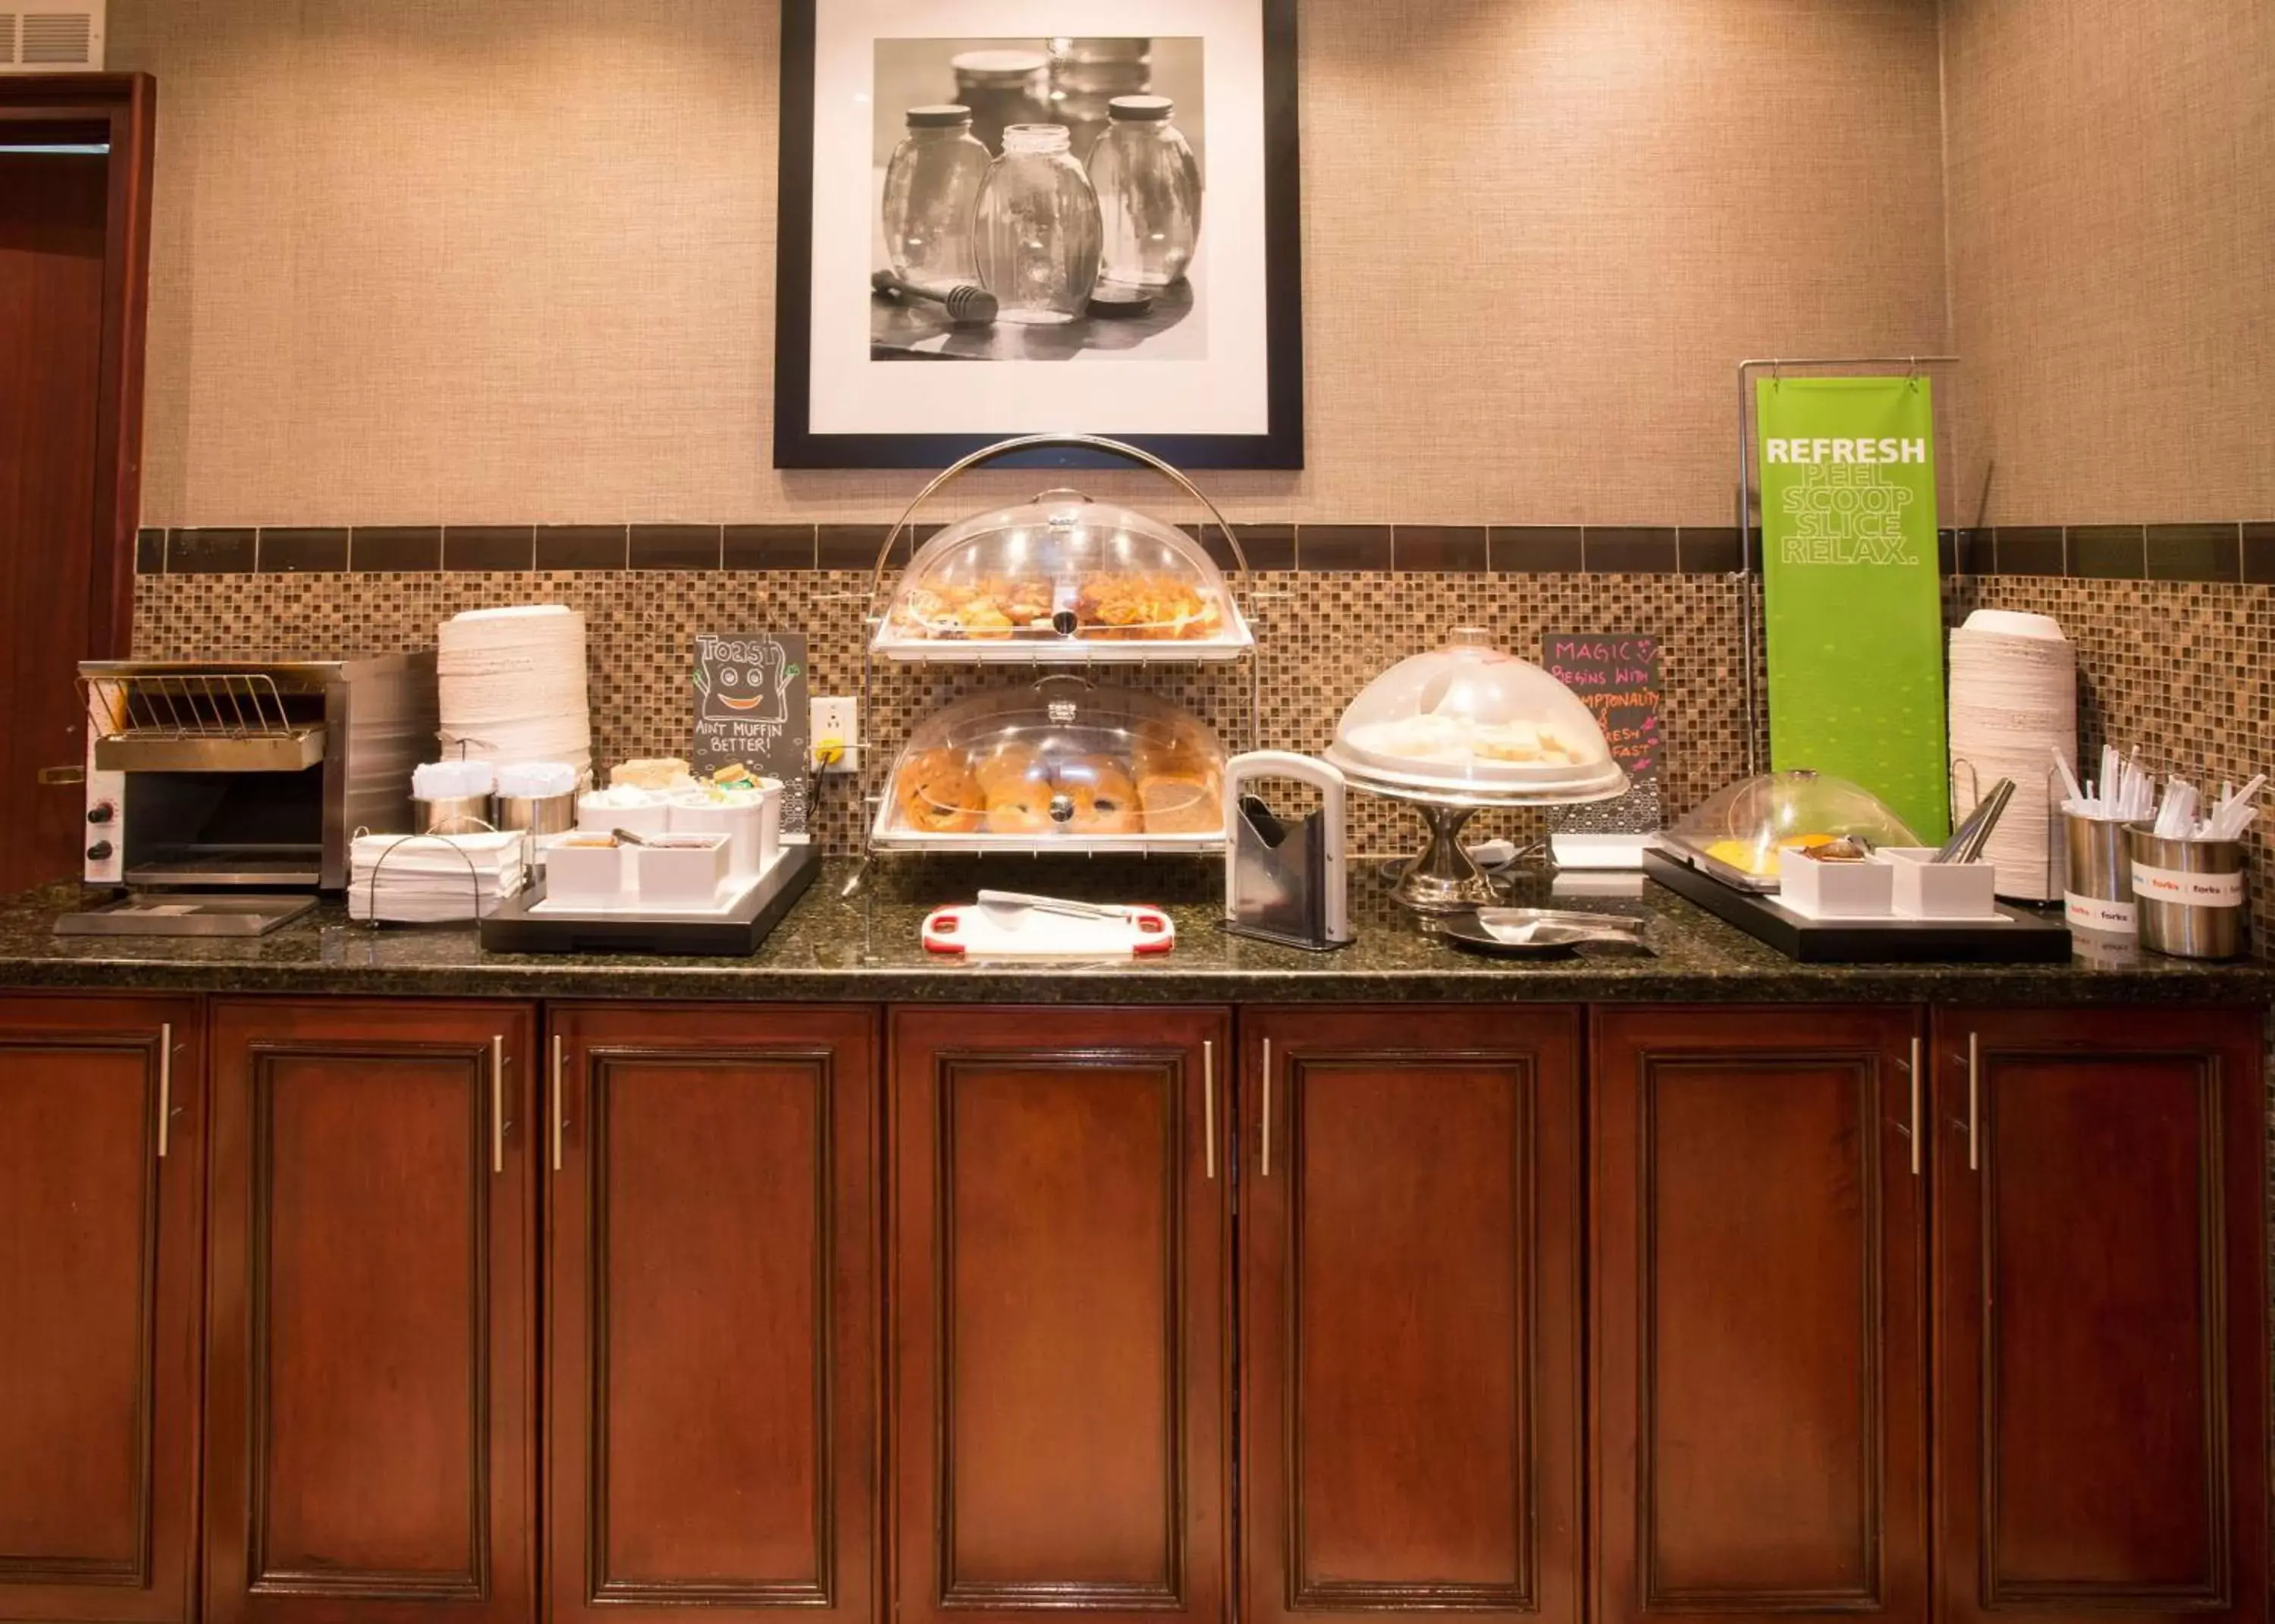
(1443, 877)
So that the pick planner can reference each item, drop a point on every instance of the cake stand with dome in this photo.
(1462, 729)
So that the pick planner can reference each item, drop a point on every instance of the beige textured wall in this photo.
(2112, 203)
(429, 260)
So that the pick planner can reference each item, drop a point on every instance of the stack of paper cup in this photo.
(512, 686)
(2013, 704)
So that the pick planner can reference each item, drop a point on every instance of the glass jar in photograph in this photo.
(931, 186)
(1037, 228)
(1002, 88)
(1085, 77)
(1149, 193)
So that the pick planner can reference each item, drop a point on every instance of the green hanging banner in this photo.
(1852, 587)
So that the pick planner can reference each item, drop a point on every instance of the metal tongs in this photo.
(1968, 839)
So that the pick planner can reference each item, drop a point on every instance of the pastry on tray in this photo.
(938, 795)
(991, 608)
(1174, 804)
(656, 772)
(1167, 783)
(1020, 809)
(1151, 608)
(1104, 801)
(1010, 766)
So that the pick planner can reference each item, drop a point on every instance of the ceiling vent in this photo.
(59, 36)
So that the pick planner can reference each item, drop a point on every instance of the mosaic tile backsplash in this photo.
(2185, 669)
(1320, 637)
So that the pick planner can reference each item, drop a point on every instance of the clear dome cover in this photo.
(1738, 833)
(1062, 578)
(1060, 765)
(1470, 719)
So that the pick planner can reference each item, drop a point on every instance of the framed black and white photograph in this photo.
(1018, 216)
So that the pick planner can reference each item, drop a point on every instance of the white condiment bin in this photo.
(1865, 890)
(1927, 889)
(752, 822)
(580, 873)
(680, 868)
(597, 812)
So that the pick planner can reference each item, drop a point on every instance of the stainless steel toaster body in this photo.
(225, 774)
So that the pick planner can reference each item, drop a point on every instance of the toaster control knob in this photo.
(102, 813)
(99, 852)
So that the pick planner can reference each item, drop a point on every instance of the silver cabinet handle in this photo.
(165, 1086)
(1267, 1107)
(497, 1103)
(1916, 1107)
(559, 1046)
(1974, 1097)
(1208, 1098)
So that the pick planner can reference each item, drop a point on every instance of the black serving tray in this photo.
(2021, 937)
(512, 928)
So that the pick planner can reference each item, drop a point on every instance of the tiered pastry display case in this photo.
(1063, 760)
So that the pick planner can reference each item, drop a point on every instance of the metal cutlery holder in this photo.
(2191, 894)
(2098, 866)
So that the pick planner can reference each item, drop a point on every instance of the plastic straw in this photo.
(2068, 778)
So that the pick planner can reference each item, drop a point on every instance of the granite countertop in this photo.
(865, 948)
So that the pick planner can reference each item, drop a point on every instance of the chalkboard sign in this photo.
(750, 706)
(1616, 675)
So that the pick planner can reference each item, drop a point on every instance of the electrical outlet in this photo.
(836, 726)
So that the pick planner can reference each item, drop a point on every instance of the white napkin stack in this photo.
(512, 685)
(2013, 701)
(433, 878)
(451, 780)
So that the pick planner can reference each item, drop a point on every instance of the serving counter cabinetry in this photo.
(1061, 1297)
(711, 1335)
(371, 1386)
(1411, 1313)
(1521, 1310)
(103, 1157)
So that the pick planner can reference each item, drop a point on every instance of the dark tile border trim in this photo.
(401, 548)
(476, 548)
(2217, 553)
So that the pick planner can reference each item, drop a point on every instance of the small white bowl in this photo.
(681, 868)
(1865, 890)
(603, 811)
(1927, 889)
(584, 871)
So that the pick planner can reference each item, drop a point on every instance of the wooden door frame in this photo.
(126, 105)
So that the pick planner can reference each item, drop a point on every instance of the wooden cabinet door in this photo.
(101, 1211)
(1059, 1282)
(2100, 1297)
(713, 1270)
(1760, 1306)
(370, 1446)
(1411, 1313)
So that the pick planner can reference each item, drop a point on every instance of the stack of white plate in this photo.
(512, 685)
(2014, 702)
